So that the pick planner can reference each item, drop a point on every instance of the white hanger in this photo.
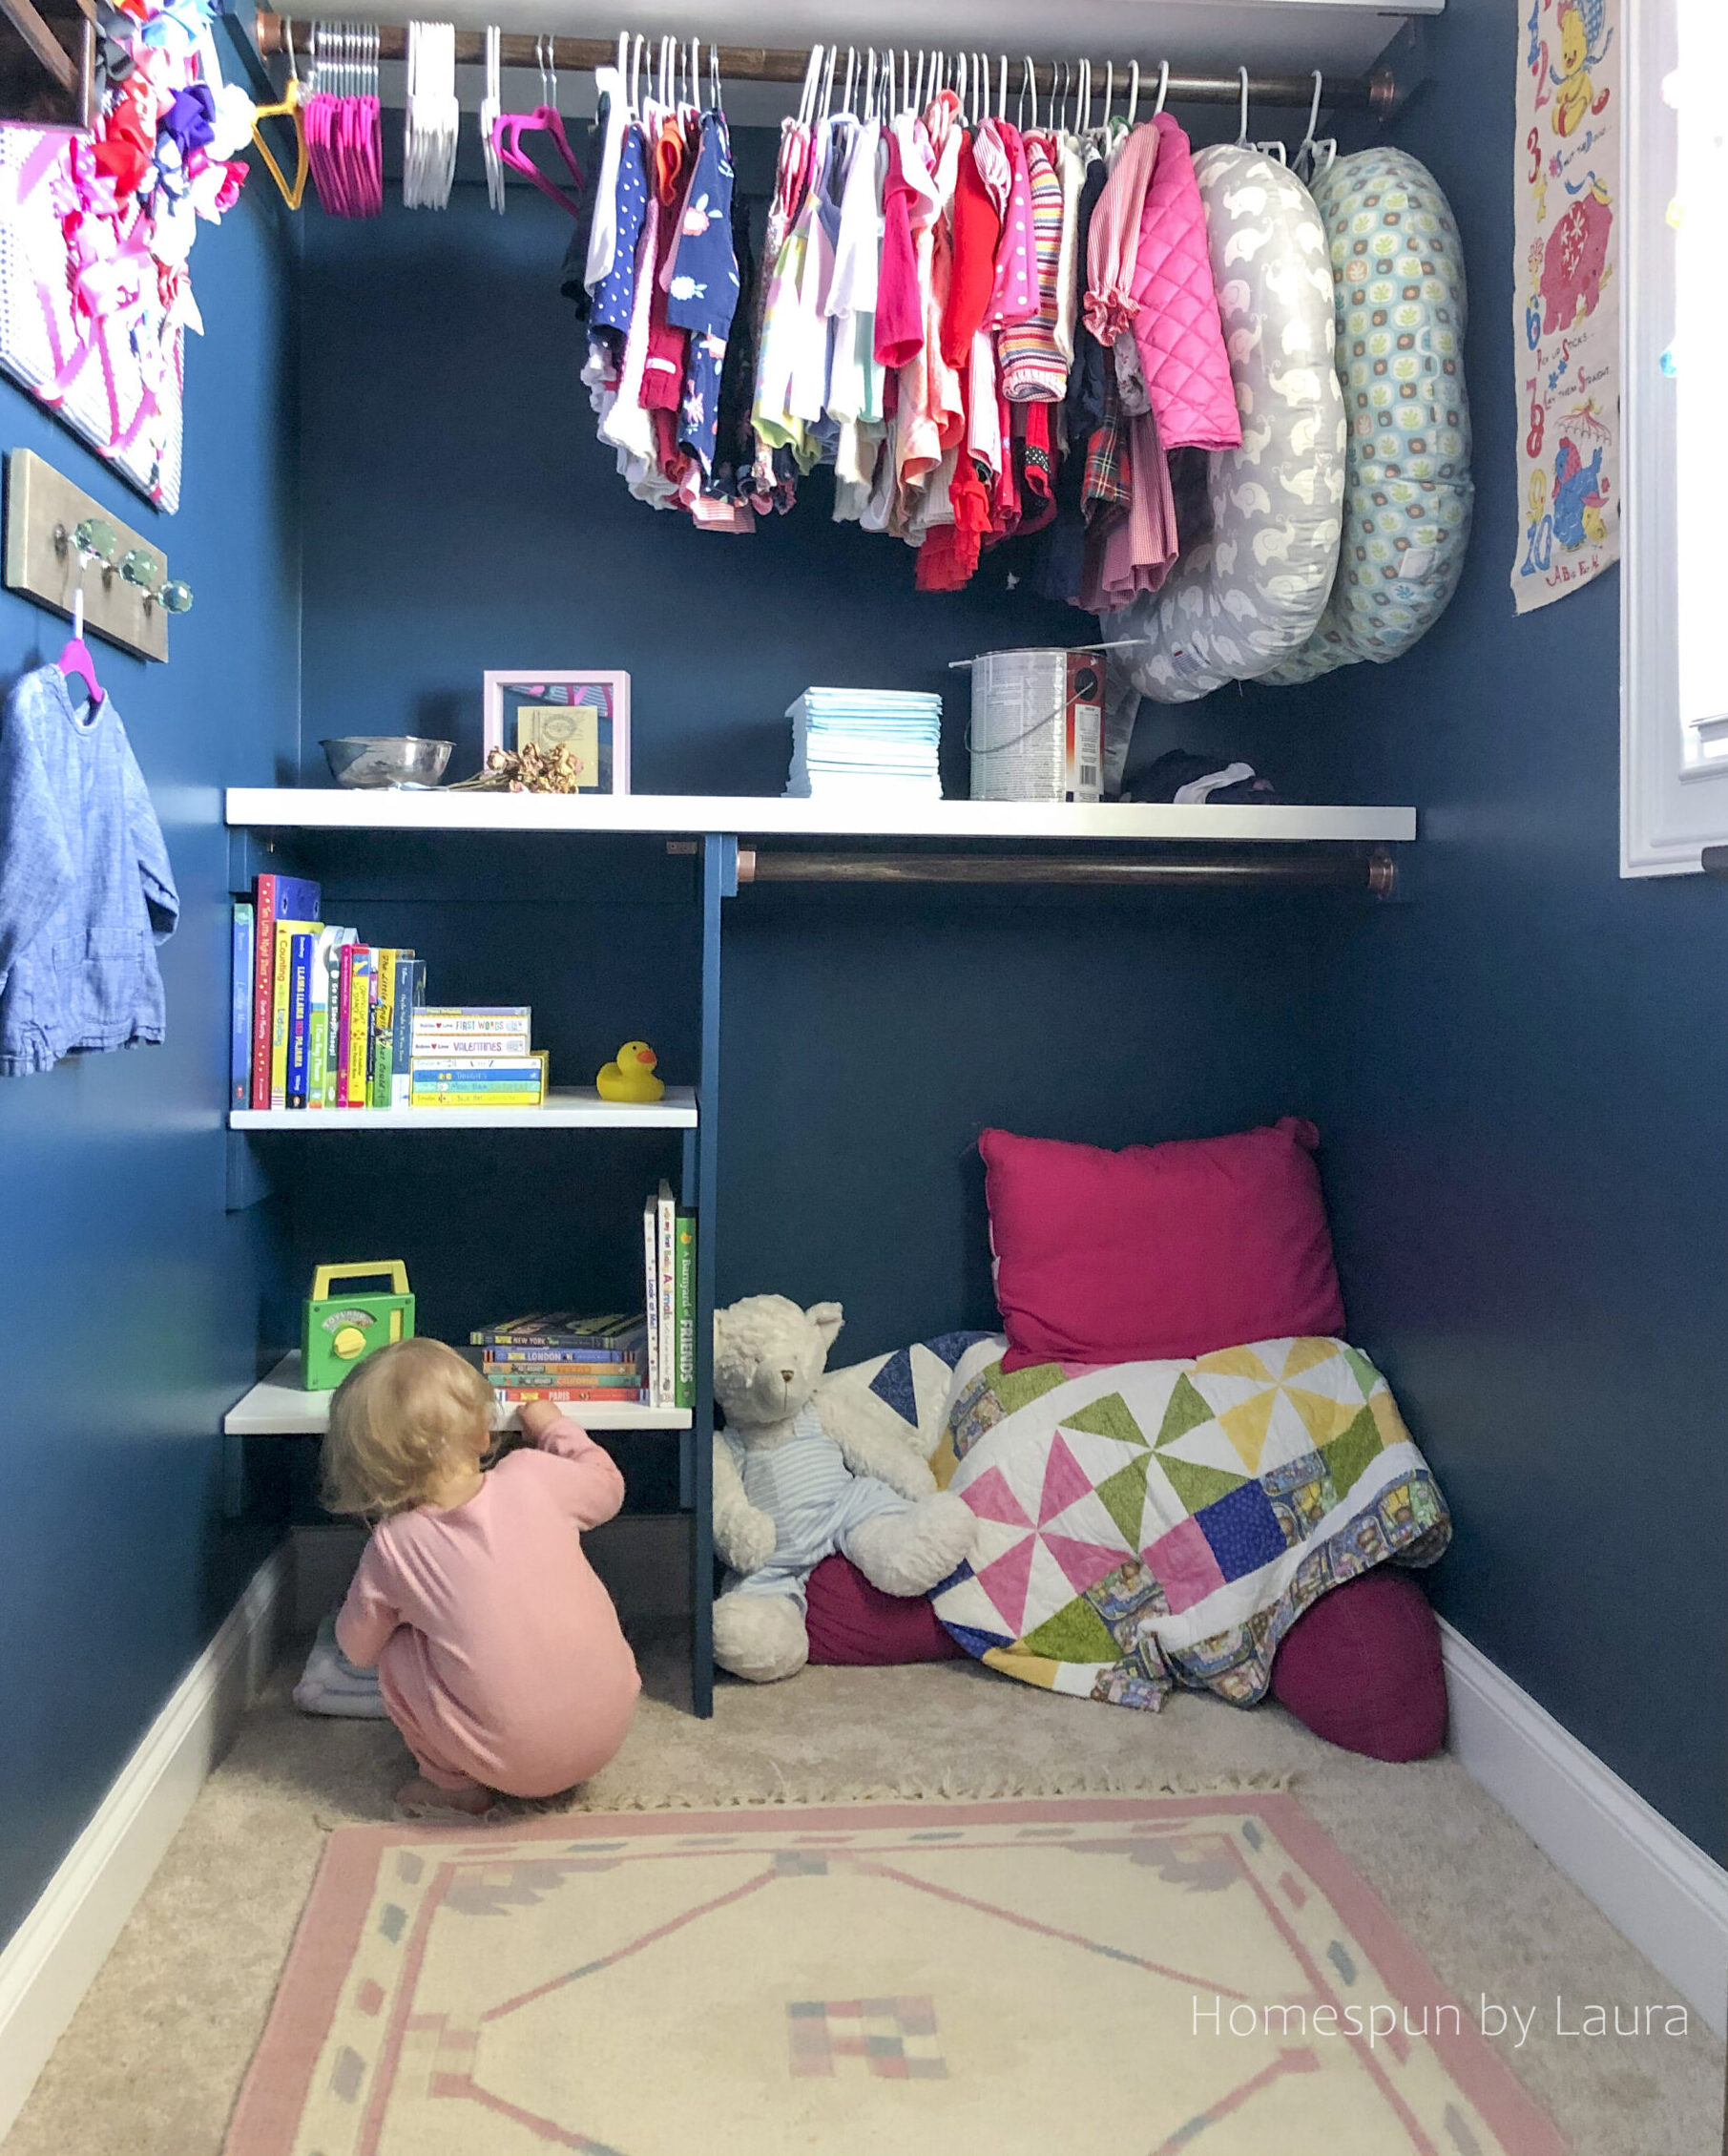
(1083, 114)
(1241, 133)
(1134, 95)
(491, 109)
(1163, 87)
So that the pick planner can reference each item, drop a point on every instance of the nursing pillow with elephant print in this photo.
(1252, 592)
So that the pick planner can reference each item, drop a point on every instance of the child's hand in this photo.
(535, 1417)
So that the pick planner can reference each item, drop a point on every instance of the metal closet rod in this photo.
(1370, 869)
(766, 63)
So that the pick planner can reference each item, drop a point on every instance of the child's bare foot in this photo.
(421, 1799)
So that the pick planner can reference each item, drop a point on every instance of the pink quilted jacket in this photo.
(1177, 328)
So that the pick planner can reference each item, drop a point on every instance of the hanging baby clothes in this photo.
(86, 889)
(1034, 371)
(1112, 241)
(702, 294)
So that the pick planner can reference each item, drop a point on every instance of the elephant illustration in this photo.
(1574, 261)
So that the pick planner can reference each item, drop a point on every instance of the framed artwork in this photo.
(586, 712)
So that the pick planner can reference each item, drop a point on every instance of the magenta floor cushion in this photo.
(851, 1622)
(1361, 1668)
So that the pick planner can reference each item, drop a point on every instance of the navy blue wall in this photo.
(1522, 1095)
(130, 1314)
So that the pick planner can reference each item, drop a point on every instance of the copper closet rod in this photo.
(766, 63)
(1370, 868)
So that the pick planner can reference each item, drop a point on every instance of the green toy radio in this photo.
(339, 1330)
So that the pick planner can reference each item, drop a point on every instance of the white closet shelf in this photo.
(573, 1108)
(279, 1406)
(772, 816)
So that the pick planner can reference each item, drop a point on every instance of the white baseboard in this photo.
(47, 1965)
(1656, 1888)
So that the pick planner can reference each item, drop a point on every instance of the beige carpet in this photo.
(152, 2063)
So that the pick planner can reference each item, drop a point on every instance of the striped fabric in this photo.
(1034, 369)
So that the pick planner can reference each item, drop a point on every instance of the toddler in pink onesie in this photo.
(499, 1653)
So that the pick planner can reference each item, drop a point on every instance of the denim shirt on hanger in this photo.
(86, 889)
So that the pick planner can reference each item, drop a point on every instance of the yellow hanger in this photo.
(288, 110)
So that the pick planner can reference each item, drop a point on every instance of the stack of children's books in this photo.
(643, 1360)
(323, 1021)
(566, 1356)
(476, 1056)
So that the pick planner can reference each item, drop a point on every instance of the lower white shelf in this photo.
(279, 1407)
(566, 1107)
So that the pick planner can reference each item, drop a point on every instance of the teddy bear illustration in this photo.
(800, 1470)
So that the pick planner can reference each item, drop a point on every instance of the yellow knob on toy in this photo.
(348, 1343)
(629, 1074)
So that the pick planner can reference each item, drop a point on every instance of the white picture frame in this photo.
(510, 690)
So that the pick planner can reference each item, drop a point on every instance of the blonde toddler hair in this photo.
(395, 1422)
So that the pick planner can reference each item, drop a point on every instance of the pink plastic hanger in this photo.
(75, 659)
(509, 129)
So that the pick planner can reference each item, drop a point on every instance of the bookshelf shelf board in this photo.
(278, 1407)
(772, 816)
(575, 1107)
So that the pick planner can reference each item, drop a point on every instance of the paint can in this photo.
(1037, 727)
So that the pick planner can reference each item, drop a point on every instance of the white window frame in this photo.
(1670, 806)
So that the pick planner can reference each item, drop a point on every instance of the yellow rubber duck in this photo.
(629, 1077)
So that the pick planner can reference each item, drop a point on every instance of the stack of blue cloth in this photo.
(852, 741)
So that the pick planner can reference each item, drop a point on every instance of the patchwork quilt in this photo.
(1153, 1525)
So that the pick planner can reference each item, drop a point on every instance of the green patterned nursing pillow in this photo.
(1398, 272)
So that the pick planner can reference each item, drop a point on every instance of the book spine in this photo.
(410, 972)
(666, 1236)
(585, 1361)
(536, 1346)
(650, 1291)
(239, 1061)
(345, 1000)
(439, 1048)
(264, 979)
(278, 1017)
(684, 1393)
(336, 988)
(516, 1395)
(384, 1027)
(299, 991)
(360, 1007)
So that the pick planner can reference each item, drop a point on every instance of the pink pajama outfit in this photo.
(498, 1651)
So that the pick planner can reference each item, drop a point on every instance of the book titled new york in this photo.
(240, 1061)
(274, 898)
(301, 948)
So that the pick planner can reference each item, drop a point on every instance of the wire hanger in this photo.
(1302, 163)
(1133, 93)
(491, 105)
(1163, 87)
(1241, 133)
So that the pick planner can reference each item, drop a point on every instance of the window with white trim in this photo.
(1673, 615)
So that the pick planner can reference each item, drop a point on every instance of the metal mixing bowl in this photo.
(386, 759)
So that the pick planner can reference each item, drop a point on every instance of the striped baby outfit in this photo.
(1034, 368)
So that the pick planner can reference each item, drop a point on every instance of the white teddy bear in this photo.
(797, 1477)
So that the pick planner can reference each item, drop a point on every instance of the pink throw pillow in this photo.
(851, 1622)
(1362, 1670)
(1158, 1252)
